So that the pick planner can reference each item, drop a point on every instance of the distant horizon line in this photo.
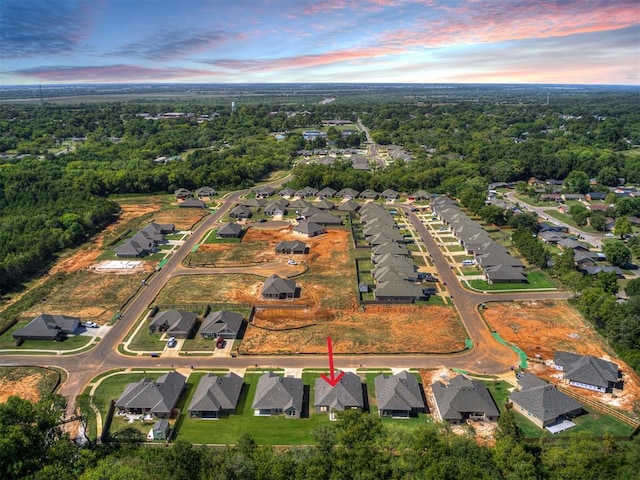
(235, 84)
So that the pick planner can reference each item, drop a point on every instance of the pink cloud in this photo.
(110, 73)
(489, 22)
(303, 61)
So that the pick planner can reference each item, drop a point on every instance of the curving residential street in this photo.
(487, 355)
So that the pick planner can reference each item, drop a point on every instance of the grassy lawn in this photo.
(593, 422)
(144, 340)
(275, 430)
(212, 237)
(535, 281)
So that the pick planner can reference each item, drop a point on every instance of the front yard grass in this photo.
(535, 280)
(274, 430)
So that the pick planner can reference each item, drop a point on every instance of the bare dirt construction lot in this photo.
(327, 304)
(87, 254)
(29, 383)
(543, 327)
(377, 329)
(135, 212)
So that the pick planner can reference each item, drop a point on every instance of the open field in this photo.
(29, 383)
(88, 295)
(378, 329)
(543, 327)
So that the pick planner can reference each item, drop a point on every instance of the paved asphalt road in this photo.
(487, 356)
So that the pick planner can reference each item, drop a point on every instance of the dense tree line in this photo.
(358, 446)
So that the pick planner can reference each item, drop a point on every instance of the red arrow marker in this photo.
(333, 380)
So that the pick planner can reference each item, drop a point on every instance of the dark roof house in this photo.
(221, 323)
(588, 372)
(177, 323)
(276, 287)
(240, 211)
(308, 229)
(542, 403)
(463, 399)
(345, 395)
(230, 230)
(292, 247)
(157, 397)
(47, 327)
(276, 395)
(215, 396)
(398, 395)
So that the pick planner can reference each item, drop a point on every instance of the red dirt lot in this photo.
(378, 329)
(543, 327)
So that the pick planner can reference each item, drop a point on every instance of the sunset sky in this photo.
(254, 41)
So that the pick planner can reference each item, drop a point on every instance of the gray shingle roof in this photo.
(398, 392)
(543, 400)
(230, 229)
(347, 393)
(160, 397)
(276, 392)
(222, 321)
(308, 228)
(215, 393)
(174, 321)
(275, 285)
(463, 396)
(48, 326)
(587, 369)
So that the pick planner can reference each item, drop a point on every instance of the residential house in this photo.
(286, 192)
(309, 211)
(348, 206)
(306, 192)
(155, 397)
(308, 229)
(345, 395)
(182, 193)
(392, 248)
(347, 193)
(504, 274)
(419, 195)
(176, 323)
(573, 197)
(292, 247)
(192, 203)
(551, 197)
(252, 202)
(145, 241)
(240, 212)
(47, 327)
(222, 323)
(230, 230)
(215, 396)
(279, 288)
(398, 395)
(369, 194)
(463, 399)
(542, 403)
(277, 207)
(588, 372)
(278, 395)
(326, 192)
(392, 291)
(550, 237)
(595, 196)
(264, 191)
(324, 218)
(205, 192)
(390, 194)
(325, 204)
